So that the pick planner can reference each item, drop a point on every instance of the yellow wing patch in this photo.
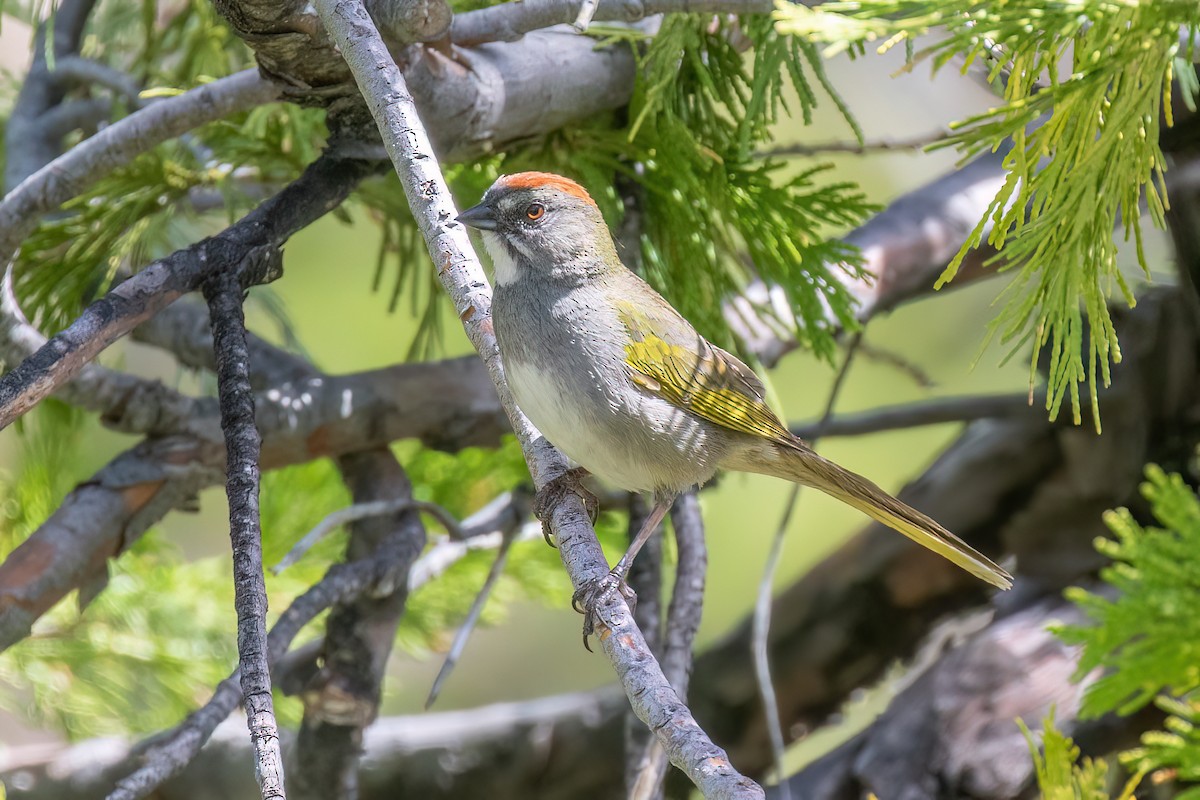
(700, 383)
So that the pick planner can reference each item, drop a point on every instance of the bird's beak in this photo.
(479, 216)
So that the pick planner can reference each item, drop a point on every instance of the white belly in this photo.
(652, 446)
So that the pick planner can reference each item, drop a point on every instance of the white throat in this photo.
(505, 267)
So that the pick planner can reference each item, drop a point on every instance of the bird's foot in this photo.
(592, 594)
(570, 482)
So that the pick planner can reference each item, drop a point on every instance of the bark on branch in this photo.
(243, 446)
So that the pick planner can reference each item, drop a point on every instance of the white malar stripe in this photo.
(504, 268)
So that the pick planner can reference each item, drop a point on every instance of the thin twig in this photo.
(762, 607)
(80, 70)
(470, 621)
(121, 142)
(916, 143)
(925, 412)
(376, 508)
(906, 367)
(243, 446)
(387, 96)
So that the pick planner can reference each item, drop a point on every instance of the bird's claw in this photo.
(570, 482)
(592, 594)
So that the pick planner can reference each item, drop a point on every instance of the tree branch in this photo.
(646, 580)
(935, 411)
(118, 144)
(124, 402)
(510, 21)
(79, 70)
(403, 134)
(683, 621)
(243, 445)
(321, 416)
(27, 145)
(322, 187)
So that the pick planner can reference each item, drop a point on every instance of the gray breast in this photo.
(565, 361)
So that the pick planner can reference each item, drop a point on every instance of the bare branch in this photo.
(28, 147)
(936, 411)
(461, 275)
(446, 553)
(361, 511)
(124, 402)
(646, 579)
(470, 621)
(243, 445)
(761, 620)
(79, 70)
(85, 115)
(118, 144)
(510, 21)
(322, 187)
(914, 143)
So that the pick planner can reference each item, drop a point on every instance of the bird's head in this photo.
(537, 224)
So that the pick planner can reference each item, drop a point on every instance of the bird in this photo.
(617, 379)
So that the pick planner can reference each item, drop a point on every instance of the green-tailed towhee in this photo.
(620, 382)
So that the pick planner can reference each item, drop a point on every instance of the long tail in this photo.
(800, 464)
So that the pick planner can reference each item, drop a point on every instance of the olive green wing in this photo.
(684, 369)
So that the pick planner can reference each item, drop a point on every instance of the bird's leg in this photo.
(592, 594)
(570, 482)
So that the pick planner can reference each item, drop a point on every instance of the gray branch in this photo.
(84, 71)
(936, 411)
(243, 447)
(28, 146)
(124, 402)
(510, 21)
(118, 144)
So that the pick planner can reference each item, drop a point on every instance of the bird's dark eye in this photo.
(535, 212)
